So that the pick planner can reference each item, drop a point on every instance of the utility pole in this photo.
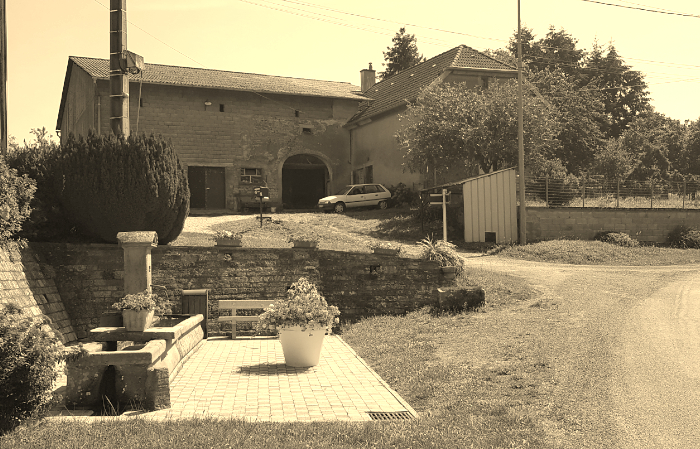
(3, 79)
(522, 213)
(118, 78)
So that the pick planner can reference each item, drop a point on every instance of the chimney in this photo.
(367, 78)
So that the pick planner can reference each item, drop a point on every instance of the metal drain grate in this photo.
(386, 416)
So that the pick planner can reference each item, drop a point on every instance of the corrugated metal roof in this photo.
(220, 79)
(405, 86)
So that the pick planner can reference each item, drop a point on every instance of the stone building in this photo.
(232, 131)
(303, 139)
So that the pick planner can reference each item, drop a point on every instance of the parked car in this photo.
(356, 195)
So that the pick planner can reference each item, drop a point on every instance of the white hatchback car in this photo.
(356, 195)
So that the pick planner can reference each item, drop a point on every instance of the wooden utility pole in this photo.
(522, 212)
(3, 79)
(118, 78)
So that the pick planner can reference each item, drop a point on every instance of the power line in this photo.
(649, 9)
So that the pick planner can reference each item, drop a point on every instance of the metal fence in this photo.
(596, 192)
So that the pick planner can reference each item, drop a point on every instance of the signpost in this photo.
(437, 199)
(262, 193)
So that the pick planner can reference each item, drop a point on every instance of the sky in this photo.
(331, 40)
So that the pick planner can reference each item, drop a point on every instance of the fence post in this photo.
(652, 193)
(546, 189)
(618, 193)
(583, 199)
(684, 193)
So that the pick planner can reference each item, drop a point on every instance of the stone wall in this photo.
(29, 284)
(645, 225)
(89, 278)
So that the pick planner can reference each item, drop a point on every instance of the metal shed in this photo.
(490, 211)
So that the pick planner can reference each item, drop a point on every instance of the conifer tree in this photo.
(402, 55)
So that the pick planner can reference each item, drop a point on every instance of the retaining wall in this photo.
(645, 225)
(89, 278)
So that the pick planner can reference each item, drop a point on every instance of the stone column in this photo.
(137, 259)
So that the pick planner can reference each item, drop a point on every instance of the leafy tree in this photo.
(114, 184)
(402, 55)
(578, 112)
(613, 161)
(687, 162)
(16, 193)
(451, 125)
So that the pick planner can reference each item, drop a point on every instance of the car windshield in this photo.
(344, 190)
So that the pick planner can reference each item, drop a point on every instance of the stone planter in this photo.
(387, 251)
(228, 242)
(137, 320)
(304, 244)
(449, 272)
(111, 319)
(301, 348)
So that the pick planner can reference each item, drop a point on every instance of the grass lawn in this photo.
(478, 379)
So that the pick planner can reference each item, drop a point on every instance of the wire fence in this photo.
(597, 192)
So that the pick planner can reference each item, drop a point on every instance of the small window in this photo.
(251, 175)
(485, 82)
(307, 130)
(296, 113)
(221, 108)
(140, 102)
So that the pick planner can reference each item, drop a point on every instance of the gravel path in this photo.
(624, 345)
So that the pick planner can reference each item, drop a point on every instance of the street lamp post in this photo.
(522, 213)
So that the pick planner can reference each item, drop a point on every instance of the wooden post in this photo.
(618, 193)
(546, 189)
(118, 78)
(444, 214)
(3, 79)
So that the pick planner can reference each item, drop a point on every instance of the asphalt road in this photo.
(624, 343)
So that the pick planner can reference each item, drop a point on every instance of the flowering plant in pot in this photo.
(228, 238)
(301, 320)
(388, 248)
(139, 308)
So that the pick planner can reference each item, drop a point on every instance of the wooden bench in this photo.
(235, 304)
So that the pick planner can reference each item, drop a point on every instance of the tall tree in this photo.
(624, 91)
(402, 55)
(556, 51)
(452, 125)
(688, 161)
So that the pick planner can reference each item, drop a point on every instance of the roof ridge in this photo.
(216, 70)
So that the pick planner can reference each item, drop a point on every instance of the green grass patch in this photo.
(585, 252)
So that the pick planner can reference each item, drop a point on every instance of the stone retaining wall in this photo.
(89, 278)
(30, 285)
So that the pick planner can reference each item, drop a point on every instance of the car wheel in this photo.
(382, 205)
(339, 208)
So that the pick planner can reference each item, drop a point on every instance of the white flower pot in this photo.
(137, 320)
(301, 348)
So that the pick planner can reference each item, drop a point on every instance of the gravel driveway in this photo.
(624, 345)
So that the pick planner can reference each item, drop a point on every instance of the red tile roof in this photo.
(220, 79)
(405, 86)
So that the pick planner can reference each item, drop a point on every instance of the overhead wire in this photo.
(646, 9)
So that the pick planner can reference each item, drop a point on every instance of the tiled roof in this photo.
(219, 79)
(405, 86)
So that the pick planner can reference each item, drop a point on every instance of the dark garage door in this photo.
(303, 182)
(207, 187)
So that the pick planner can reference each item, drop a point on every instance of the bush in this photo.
(442, 252)
(684, 237)
(616, 238)
(29, 353)
(559, 191)
(16, 193)
(116, 184)
(37, 160)
(401, 195)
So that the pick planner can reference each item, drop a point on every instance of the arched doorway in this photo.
(304, 179)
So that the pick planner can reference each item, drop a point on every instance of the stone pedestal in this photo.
(137, 259)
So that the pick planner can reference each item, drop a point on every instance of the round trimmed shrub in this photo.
(16, 193)
(29, 353)
(684, 237)
(617, 238)
(113, 184)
